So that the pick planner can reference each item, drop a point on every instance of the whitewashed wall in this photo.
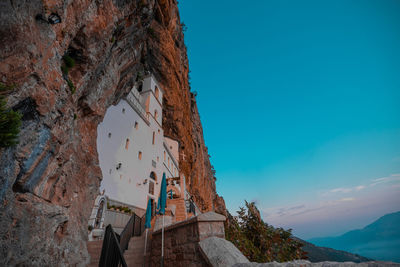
(127, 184)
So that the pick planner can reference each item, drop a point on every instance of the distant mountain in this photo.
(379, 240)
(318, 254)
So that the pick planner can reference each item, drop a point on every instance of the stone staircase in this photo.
(94, 249)
(180, 211)
(134, 255)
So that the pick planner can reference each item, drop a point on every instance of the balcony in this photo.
(133, 99)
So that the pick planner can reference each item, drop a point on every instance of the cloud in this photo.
(279, 212)
(360, 187)
(344, 190)
(347, 199)
(341, 190)
(392, 178)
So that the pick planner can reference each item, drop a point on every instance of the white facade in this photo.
(133, 152)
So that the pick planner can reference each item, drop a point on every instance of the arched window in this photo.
(155, 113)
(136, 125)
(154, 137)
(153, 176)
(140, 155)
(127, 144)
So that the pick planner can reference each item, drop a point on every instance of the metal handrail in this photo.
(114, 245)
(127, 233)
(111, 253)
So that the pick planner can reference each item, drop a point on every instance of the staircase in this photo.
(180, 211)
(94, 249)
(133, 255)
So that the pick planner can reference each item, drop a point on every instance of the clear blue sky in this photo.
(300, 105)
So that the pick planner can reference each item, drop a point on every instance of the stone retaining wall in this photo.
(181, 240)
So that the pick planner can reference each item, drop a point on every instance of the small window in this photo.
(127, 144)
(165, 158)
(159, 131)
(109, 135)
(157, 92)
(110, 171)
(154, 137)
(140, 155)
(153, 176)
(168, 162)
(123, 111)
(170, 147)
(155, 114)
(136, 125)
(158, 159)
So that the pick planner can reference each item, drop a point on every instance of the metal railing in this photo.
(127, 233)
(191, 204)
(191, 207)
(114, 245)
(111, 253)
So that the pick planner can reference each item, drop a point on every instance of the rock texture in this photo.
(219, 252)
(48, 182)
(303, 263)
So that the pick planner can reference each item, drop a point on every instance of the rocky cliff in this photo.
(48, 182)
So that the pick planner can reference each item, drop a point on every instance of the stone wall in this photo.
(181, 240)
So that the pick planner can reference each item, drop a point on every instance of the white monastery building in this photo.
(133, 151)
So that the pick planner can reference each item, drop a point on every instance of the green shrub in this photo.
(261, 242)
(71, 86)
(64, 69)
(4, 88)
(10, 122)
(69, 61)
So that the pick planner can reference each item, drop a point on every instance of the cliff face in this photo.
(48, 182)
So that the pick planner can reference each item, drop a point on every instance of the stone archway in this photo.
(98, 212)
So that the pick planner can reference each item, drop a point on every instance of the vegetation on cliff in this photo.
(261, 242)
(10, 121)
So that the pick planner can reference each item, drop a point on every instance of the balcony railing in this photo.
(133, 99)
(174, 181)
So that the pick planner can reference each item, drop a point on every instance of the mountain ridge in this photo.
(379, 240)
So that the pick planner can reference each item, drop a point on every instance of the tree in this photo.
(258, 241)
